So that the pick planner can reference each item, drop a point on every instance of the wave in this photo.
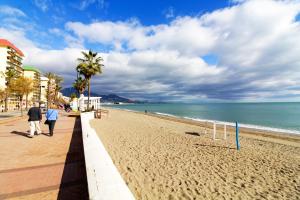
(250, 126)
(165, 114)
(241, 125)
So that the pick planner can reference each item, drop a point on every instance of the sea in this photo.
(278, 117)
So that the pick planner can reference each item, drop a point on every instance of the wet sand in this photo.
(169, 158)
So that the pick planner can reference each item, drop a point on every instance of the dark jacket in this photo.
(34, 114)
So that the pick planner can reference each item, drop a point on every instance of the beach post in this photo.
(225, 132)
(237, 135)
(214, 134)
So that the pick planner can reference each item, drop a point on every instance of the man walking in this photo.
(35, 117)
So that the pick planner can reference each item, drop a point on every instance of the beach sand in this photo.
(169, 158)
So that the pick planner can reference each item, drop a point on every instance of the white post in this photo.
(225, 134)
(214, 134)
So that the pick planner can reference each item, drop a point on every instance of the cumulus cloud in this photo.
(256, 43)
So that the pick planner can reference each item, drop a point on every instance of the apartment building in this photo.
(44, 88)
(10, 58)
(35, 75)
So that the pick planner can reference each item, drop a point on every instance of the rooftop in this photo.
(6, 43)
(31, 68)
(43, 78)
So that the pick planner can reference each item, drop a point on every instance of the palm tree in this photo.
(80, 85)
(50, 91)
(89, 66)
(22, 86)
(10, 75)
(58, 80)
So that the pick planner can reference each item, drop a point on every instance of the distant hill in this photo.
(105, 98)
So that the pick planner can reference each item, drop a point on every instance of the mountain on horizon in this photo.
(112, 98)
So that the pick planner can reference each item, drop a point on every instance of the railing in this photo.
(104, 180)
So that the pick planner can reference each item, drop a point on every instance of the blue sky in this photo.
(221, 50)
(47, 14)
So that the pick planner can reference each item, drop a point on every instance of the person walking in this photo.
(51, 116)
(35, 118)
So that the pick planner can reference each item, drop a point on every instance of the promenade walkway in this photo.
(11, 114)
(42, 167)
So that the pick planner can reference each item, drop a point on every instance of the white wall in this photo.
(104, 180)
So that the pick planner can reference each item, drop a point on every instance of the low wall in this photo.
(104, 180)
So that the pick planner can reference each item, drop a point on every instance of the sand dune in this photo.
(169, 159)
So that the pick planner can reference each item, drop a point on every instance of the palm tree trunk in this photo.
(89, 90)
(21, 105)
(26, 108)
(6, 103)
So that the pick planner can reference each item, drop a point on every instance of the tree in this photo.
(58, 80)
(50, 90)
(22, 86)
(10, 75)
(89, 66)
(80, 85)
(2, 95)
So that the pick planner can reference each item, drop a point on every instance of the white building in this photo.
(10, 58)
(44, 87)
(94, 103)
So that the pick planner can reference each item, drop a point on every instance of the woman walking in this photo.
(51, 116)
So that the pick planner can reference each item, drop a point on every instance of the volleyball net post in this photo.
(215, 131)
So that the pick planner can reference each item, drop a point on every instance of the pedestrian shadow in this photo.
(74, 182)
(193, 133)
(46, 134)
(25, 134)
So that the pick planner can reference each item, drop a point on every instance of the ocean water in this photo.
(284, 117)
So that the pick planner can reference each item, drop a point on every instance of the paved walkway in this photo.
(11, 114)
(42, 167)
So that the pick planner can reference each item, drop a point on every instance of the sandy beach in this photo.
(168, 158)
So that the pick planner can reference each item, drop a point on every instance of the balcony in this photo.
(13, 60)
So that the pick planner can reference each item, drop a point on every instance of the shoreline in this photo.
(265, 134)
(250, 126)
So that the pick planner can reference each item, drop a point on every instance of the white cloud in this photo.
(42, 4)
(11, 11)
(183, 34)
(104, 32)
(169, 13)
(86, 3)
